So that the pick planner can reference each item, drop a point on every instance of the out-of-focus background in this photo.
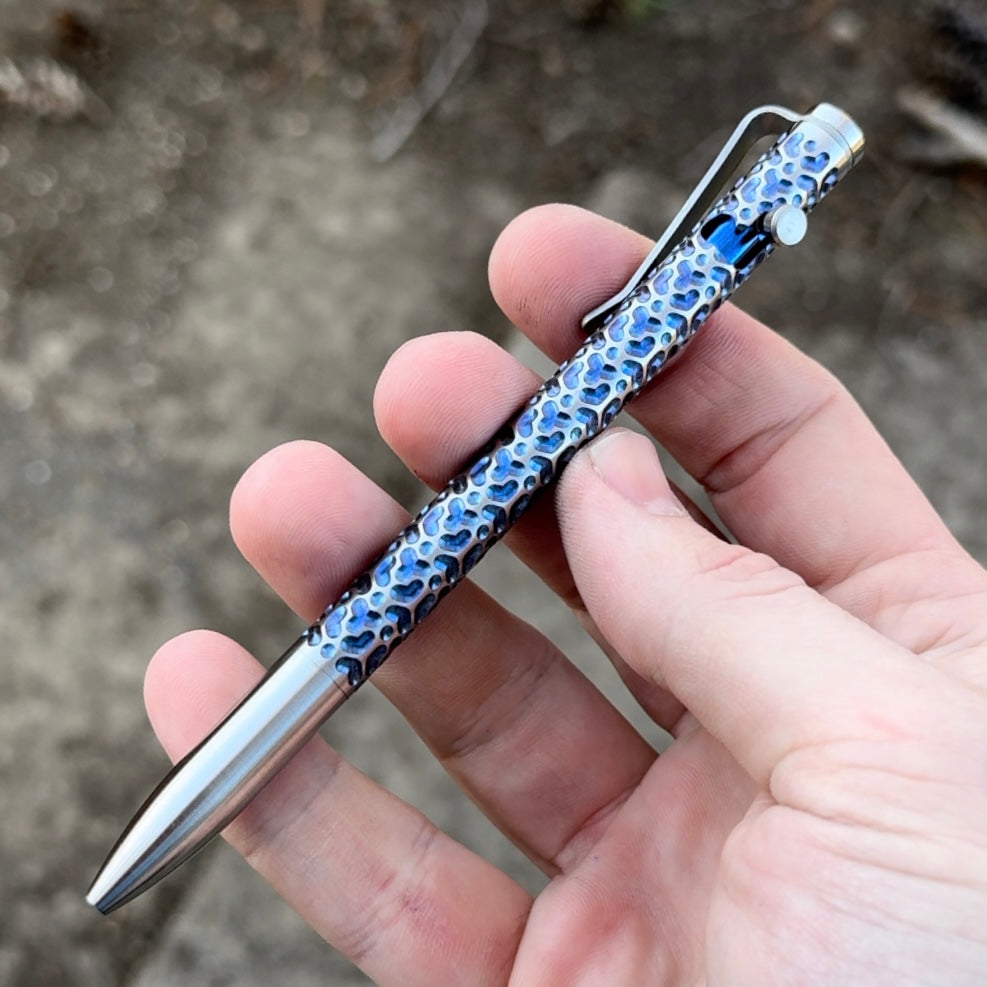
(219, 217)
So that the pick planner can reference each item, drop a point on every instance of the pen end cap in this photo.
(843, 125)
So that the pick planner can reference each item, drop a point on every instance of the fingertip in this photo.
(553, 264)
(613, 504)
(191, 683)
(525, 258)
(627, 462)
(410, 387)
(301, 514)
(261, 487)
(527, 228)
(441, 396)
(391, 386)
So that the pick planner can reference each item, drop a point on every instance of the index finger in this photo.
(792, 465)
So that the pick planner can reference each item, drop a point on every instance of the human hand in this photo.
(821, 816)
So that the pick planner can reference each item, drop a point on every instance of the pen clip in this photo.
(760, 122)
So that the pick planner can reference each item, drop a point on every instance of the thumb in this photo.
(765, 663)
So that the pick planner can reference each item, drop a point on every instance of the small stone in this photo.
(37, 472)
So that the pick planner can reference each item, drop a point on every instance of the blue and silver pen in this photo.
(705, 254)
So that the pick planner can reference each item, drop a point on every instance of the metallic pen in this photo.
(707, 252)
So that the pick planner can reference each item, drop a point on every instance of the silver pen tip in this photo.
(214, 782)
(138, 860)
(103, 895)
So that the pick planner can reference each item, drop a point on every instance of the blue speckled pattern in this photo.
(452, 533)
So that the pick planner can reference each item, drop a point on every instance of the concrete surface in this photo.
(221, 266)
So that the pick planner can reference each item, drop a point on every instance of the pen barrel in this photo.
(649, 328)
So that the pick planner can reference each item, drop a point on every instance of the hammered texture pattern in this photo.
(453, 532)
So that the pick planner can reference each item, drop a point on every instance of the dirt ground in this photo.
(216, 222)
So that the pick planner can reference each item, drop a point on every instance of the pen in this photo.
(709, 249)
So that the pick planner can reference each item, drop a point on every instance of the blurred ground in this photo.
(200, 257)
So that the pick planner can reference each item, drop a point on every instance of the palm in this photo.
(735, 879)
(829, 833)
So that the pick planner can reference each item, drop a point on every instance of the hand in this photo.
(821, 816)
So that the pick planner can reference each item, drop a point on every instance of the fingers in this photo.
(764, 662)
(438, 400)
(411, 906)
(367, 871)
(792, 465)
(520, 728)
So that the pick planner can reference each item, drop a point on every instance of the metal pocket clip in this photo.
(787, 224)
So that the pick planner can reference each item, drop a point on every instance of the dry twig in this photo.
(437, 80)
(961, 137)
(48, 90)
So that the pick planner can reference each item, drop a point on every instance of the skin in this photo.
(820, 816)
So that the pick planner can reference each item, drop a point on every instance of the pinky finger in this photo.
(371, 874)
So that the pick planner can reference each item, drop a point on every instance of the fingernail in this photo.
(628, 463)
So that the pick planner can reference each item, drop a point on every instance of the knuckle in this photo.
(736, 572)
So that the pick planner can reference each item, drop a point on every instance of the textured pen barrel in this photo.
(453, 532)
(644, 331)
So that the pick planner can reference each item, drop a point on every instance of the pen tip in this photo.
(91, 899)
(101, 896)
